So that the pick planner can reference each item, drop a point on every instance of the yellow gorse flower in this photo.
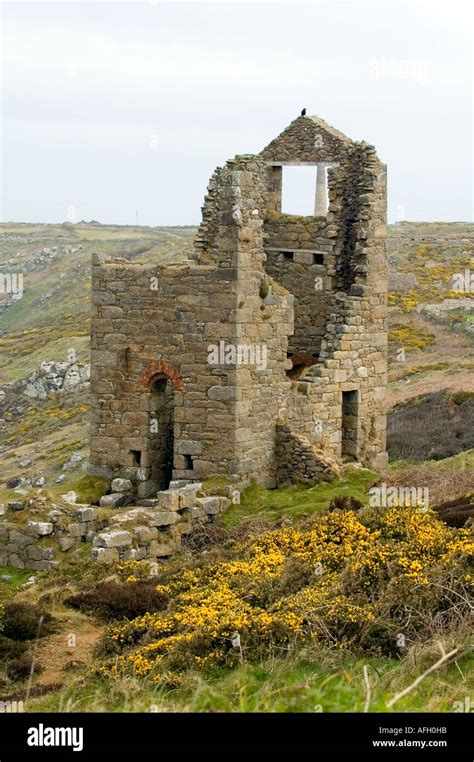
(340, 564)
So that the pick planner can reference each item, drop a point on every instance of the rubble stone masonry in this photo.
(269, 344)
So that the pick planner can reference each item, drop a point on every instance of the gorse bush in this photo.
(409, 337)
(355, 581)
(117, 600)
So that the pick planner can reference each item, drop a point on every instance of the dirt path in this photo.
(74, 643)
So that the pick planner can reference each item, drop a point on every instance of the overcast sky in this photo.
(120, 111)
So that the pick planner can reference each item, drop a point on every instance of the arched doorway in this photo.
(160, 441)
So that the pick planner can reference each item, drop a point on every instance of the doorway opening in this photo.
(161, 430)
(350, 416)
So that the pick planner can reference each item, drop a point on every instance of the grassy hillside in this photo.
(53, 315)
(437, 349)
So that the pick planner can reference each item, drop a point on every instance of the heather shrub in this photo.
(21, 621)
(119, 600)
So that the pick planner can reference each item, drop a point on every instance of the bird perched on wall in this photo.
(303, 113)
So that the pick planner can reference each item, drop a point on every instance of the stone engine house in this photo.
(263, 356)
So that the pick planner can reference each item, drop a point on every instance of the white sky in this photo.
(120, 111)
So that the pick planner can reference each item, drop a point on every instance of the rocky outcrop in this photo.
(439, 312)
(49, 379)
(402, 282)
(56, 377)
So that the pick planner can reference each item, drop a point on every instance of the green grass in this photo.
(214, 485)
(463, 461)
(19, 366)
(16, 576)
(310, 680)
(90, 489)
(297, 501)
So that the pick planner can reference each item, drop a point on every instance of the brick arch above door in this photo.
(157, 368)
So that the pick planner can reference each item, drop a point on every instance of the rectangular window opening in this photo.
(188, 462)
(288, 255)
(298, 190)
(318, 258)
(136, 457)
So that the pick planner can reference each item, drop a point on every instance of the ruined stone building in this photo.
(265, 354)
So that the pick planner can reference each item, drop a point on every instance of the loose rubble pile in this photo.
(36, 534)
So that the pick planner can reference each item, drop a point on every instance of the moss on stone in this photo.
(90, 489)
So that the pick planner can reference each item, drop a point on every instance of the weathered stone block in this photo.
(69, 497)
(115, 538)
(15, 505)
(177, 483)
(189, 447)
(33, 552)
(16, 561)
(188, 494)
(44, 565)
(146, 534)
(39, 528)
(164, 518)
(121, 485)
(158, 548)
(20, 538)
(169, 500)
(105, 555)
(66, 543)
(182, 527)
(77, 530)
(85, 513)
(54, 515)
(116, 500)
(197, 512)
(210, 505)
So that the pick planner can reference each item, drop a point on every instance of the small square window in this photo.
(136, 455)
